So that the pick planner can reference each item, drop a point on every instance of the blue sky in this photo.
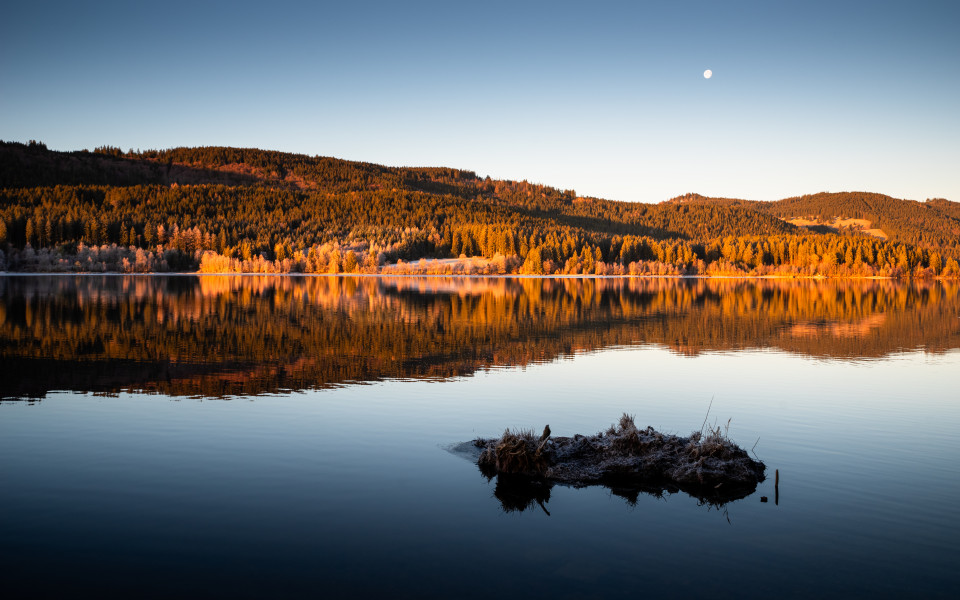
(606, 98)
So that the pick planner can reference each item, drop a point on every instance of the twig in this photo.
(707, 416)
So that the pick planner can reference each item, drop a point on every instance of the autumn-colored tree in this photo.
(350, 262)
(533, 265)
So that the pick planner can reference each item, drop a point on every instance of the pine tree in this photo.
(936, 263)
(30, 233)
(534, 263)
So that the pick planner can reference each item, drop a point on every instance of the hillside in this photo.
(229, 209)
(931, 224)
(934, 223)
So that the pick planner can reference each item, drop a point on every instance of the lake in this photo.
(251, 436)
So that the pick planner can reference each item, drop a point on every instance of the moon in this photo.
(707, 74)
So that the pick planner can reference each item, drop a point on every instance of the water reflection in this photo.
(219, 336)
(518, 493)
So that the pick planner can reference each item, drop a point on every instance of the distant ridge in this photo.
(246, 204)
(935, 222)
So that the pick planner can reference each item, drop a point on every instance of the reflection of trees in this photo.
(216, 335)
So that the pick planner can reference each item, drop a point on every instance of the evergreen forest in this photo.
(217, 209)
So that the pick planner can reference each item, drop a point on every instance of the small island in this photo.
(707, 464)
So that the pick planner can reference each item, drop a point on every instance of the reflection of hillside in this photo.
(858, 329)
(226, 335)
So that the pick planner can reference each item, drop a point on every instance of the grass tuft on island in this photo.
(706, 465)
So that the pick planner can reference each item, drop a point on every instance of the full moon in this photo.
(707, 74)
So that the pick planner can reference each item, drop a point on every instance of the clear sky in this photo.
(607, 98)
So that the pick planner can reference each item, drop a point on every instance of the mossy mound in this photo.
(706, 465)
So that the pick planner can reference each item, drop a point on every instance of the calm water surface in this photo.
(254, 436)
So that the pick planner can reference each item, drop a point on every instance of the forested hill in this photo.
(263, 210)
(934, 223)
(32, 165)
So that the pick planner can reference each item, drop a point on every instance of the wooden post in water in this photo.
(776, 488)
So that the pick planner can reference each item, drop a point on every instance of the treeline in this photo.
(268, 230)
(282, 212)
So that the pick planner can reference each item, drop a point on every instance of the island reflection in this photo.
(520, 494)
(222, 336)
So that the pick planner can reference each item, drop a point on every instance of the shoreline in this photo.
(463, 276)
